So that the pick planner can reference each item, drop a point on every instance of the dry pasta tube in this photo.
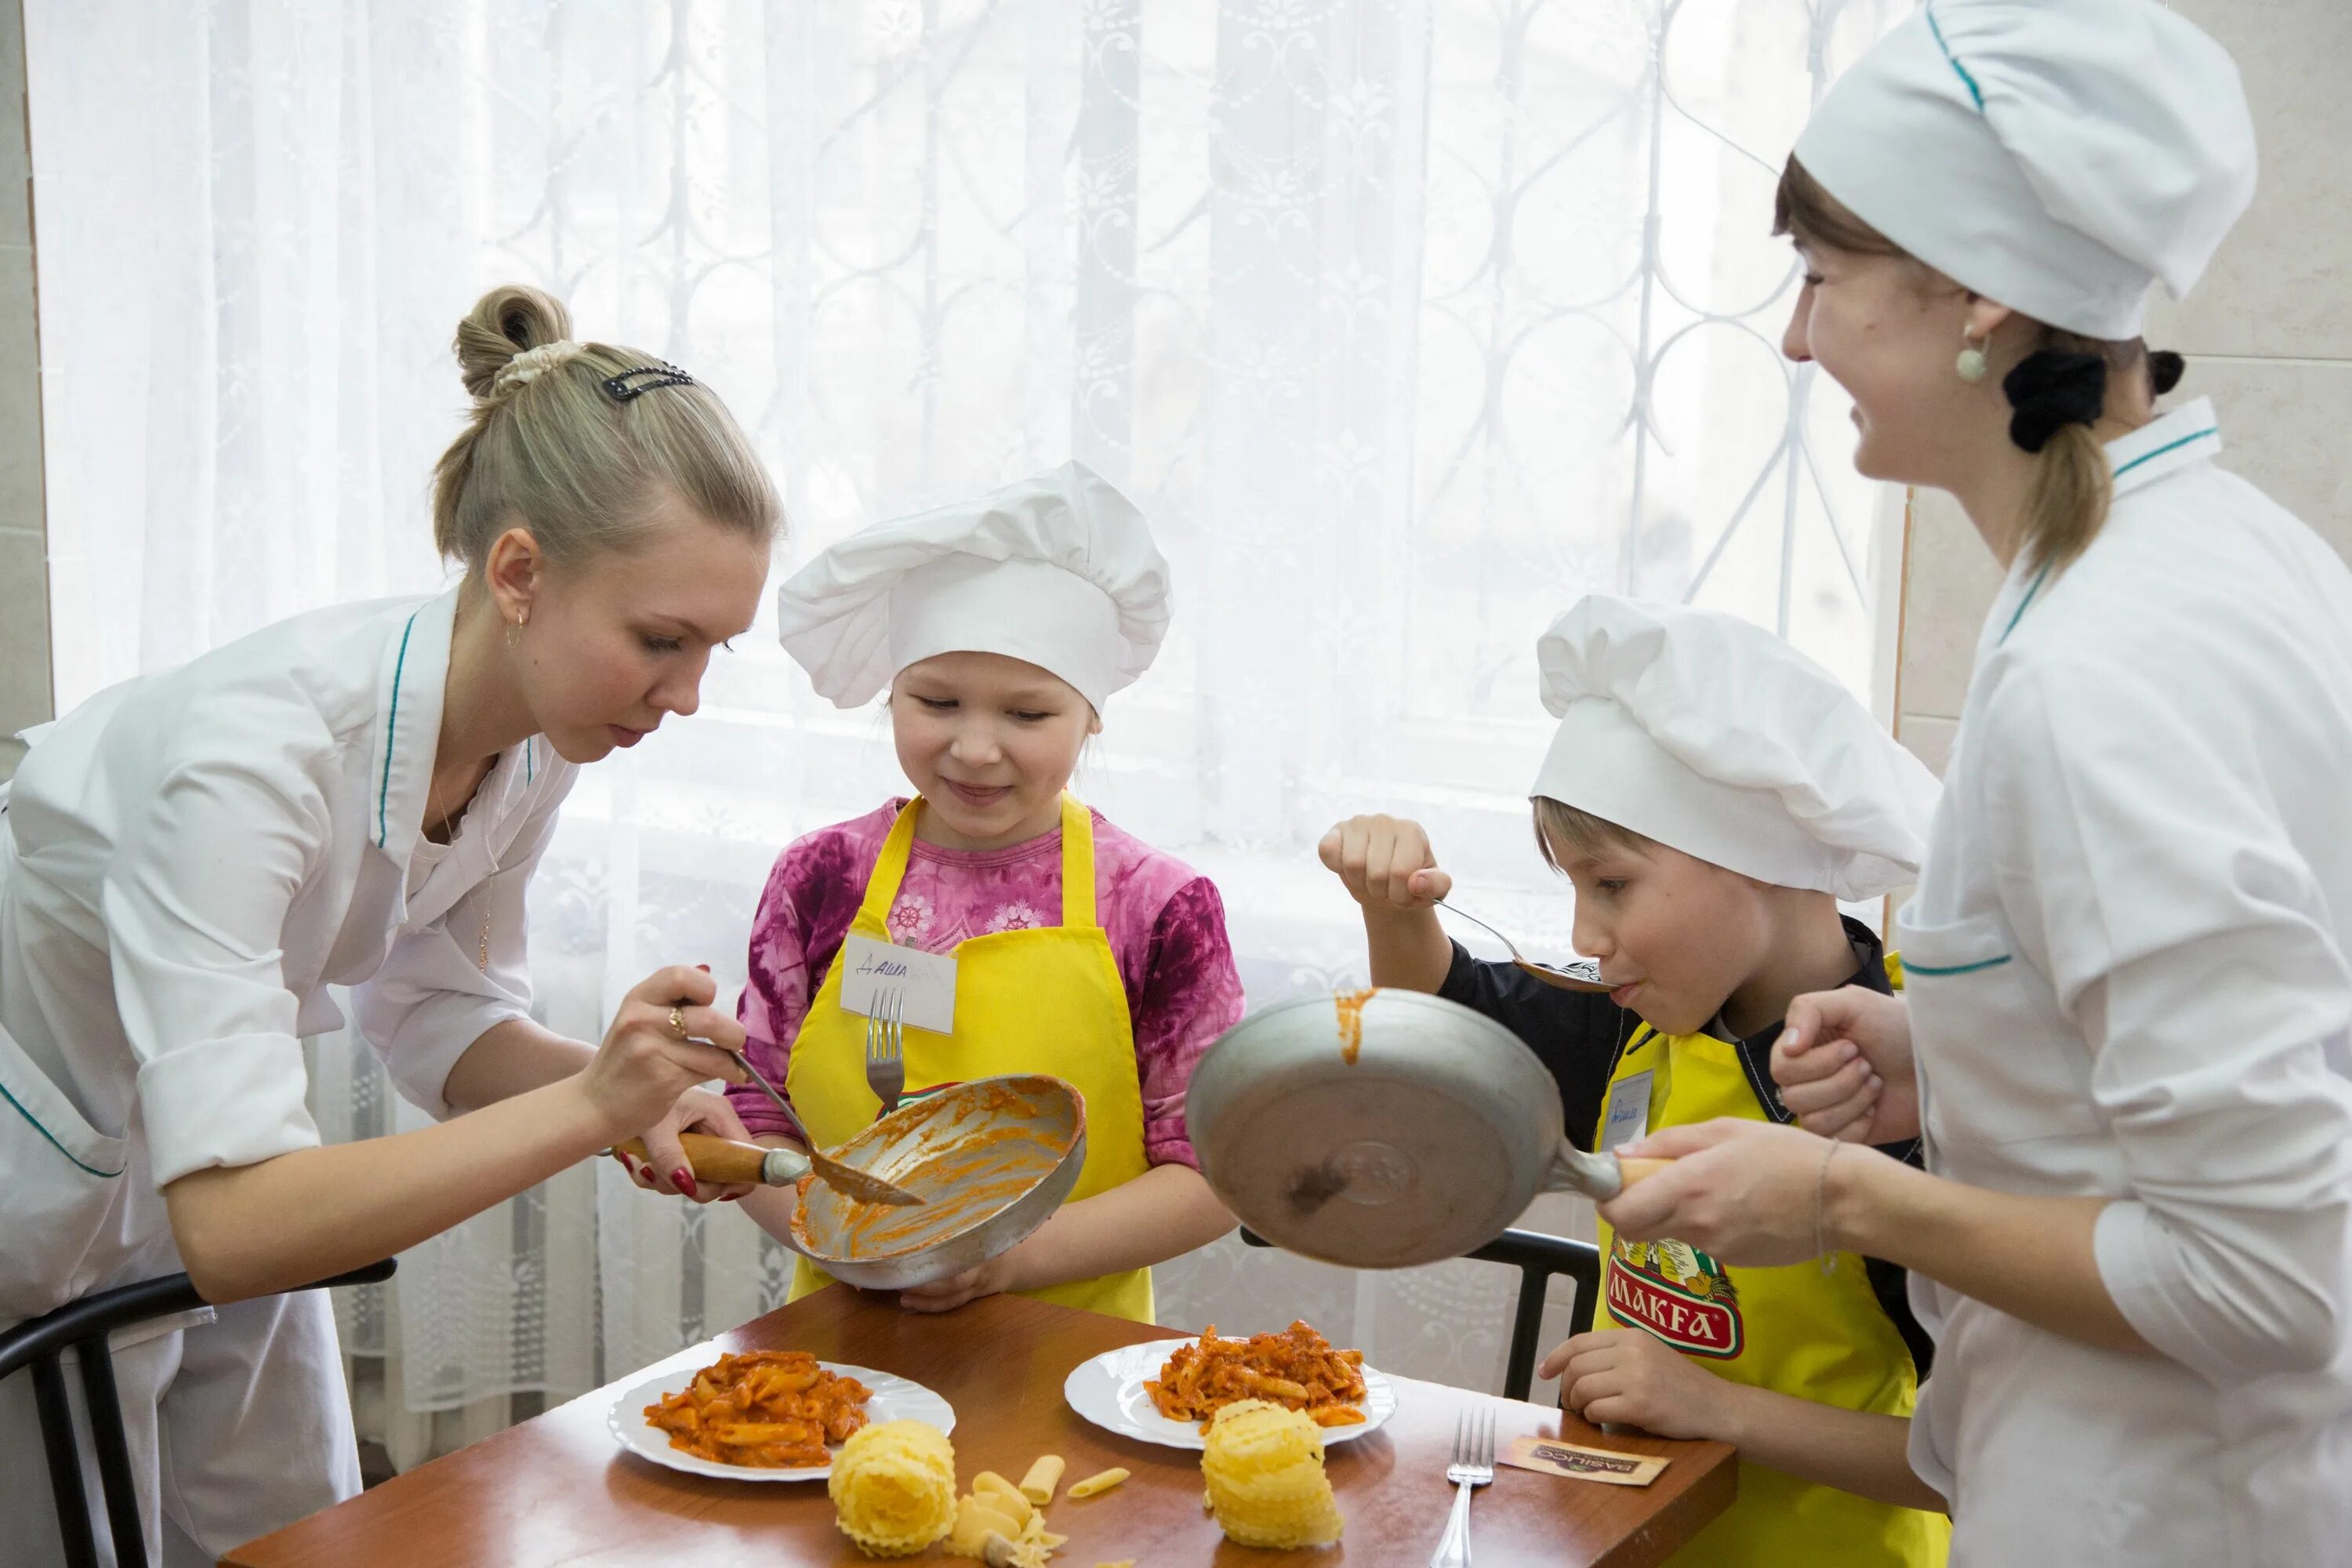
(1044, 1476)
(1101, 1481)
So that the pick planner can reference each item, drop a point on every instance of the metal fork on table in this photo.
(1473, 1467)
(886, 1049)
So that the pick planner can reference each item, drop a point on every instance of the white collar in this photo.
(415, 674)
(2162, 446)
(2190, 434)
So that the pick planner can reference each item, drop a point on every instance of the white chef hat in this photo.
(1059, 569)
(2055, 156)
(1714, 737)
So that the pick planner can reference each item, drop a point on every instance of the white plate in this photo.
(895, 1398)
(1108, 1391)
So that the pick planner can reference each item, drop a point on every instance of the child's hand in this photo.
(1385, 862)
(991, 1278)
(1624, 1376)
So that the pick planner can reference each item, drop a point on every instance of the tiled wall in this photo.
(24, 564)
(2268, 335)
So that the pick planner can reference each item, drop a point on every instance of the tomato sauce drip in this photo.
(1350, 1004)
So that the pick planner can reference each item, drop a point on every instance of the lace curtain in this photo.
(1406, 321)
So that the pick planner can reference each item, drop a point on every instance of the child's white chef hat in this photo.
(1714, 737)
(2055, 156)
(1059, 569)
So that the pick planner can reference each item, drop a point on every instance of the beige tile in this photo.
(20, 392)
(24, 631)
(2284, 428)
(1952, 579)
(1928, 737)
(2281, 283)
(16, 162)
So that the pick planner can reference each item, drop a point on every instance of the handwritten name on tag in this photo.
(1629, 1111)
(1553, 1458)
(898, 982)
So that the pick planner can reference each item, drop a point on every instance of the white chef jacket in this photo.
(187, 862)
(2126, 967)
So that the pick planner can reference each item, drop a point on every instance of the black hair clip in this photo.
(637, 383)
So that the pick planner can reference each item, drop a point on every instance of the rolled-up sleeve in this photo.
(2145, 864)
(433, 996)
(194, 904)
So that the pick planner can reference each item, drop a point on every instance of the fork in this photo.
(885, 1047)
(1473, 1467)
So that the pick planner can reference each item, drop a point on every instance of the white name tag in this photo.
(1629, 1111)
(917, 987)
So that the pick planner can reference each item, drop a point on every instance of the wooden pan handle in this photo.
(1631, 1171)
(712, 1158)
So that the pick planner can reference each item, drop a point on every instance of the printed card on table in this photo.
(917, 987)
(1554, 1458)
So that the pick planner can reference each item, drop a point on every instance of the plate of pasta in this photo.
(763, 1415)
(1165, 1391)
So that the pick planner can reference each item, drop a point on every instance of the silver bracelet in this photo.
(1821, 1210)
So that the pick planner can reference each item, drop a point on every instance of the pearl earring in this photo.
(1972, 362)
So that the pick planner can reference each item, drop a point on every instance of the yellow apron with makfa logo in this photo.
(1045, 1000)
(1797, 1330)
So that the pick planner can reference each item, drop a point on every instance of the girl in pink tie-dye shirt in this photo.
(999, 627)
(1165, 922)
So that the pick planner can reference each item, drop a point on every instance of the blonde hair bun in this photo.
(575, 461)
(510, 320)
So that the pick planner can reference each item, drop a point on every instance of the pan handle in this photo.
(1598, 1176)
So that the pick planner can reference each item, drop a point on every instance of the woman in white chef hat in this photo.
(2128, 996)
(353, 797)
(999, 628)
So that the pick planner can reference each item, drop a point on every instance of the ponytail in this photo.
(2057, 394)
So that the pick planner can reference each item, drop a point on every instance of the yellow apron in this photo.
(1045, 1000)
(1796, 1330)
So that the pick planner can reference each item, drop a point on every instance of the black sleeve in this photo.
(1575, 1034)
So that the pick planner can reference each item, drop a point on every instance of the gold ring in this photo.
(677, 1021)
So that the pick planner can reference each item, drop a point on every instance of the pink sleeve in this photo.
(775, 998)
(805, 909)
(1191, 994)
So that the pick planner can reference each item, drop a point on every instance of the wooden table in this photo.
(558, 1489)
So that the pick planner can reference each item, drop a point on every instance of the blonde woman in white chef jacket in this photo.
(2128, 987)
(353, 797)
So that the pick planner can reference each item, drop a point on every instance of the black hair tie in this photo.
(2164, 370)
(2051, 390)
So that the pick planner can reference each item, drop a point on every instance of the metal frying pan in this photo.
(1383, 1129)
(992, 1159)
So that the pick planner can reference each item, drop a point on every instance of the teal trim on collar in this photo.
(2168, 446)
(526, 764)
(391, 726)
(52, 1136)
(1975, 94)
(1956, 968)
(2023, 605)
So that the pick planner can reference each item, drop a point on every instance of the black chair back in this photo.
(82, 1327)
